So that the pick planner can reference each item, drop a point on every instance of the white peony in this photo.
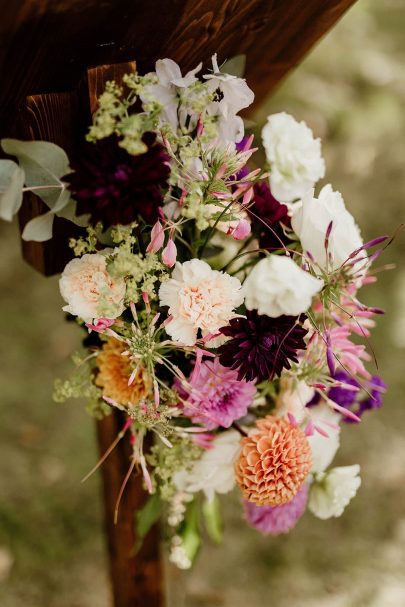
(333, 490)
(198, 298)
(292, 398)
(277, 286)
(324, 447)
(89, 290)
(214, 472)
(312, 219)
(295, 159)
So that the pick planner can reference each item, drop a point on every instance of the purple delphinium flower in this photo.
(267, 216)
(115, 187)
(260, 347)
(376, 388)
(217, 397)
(274, 520)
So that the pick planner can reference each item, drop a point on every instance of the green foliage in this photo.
(212, 519)
(11, 185)
(146, 517)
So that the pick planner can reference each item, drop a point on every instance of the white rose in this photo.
(89, 290)
(214, 472)
(295, 159)
(324, 447)
(312, 219)
(333, 490)
(198, 298)
(277, 286)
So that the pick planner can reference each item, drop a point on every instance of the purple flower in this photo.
(217, 397)
(273, 520)
(115, 187)
(357, 401)
(260, 347)
(267, 215)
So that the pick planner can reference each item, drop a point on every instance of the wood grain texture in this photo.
(46, 45)
(137, 580)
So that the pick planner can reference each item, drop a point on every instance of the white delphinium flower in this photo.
(89, 290)
(233, 95)
(311, 221)
(214, 472)
(178, 555)
(295, 159)
(333, 490)
(198, 298)
(277, 286)
(170, 80)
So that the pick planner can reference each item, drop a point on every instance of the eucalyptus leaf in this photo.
(11, 189)
(235, 66)
(44, 164)
(212, 518)
(146, 517)
(39, 228)
(68, 212)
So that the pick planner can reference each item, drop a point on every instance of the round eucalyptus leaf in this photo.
(11, 189)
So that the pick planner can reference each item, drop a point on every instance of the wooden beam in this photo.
(47, 45)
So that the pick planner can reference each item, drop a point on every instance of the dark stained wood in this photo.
(46, 45)
(137, 580)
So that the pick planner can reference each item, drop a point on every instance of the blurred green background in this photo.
(351, 90)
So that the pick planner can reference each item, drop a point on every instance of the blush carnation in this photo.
(198, 298)
(261, 347)
(115, 187)
(216, 397)
(274, 462)
(89, 290)
(274, 520)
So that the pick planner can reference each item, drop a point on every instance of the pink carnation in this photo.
(216, 397)
(274, 520)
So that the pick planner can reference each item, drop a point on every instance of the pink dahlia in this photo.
(273, 520)
(217, 397)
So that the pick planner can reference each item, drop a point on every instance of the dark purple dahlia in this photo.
(268, 215)
(115, 187)
(261, 347)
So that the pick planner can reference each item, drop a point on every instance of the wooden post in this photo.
(136, 579)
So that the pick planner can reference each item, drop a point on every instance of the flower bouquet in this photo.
(219, 299)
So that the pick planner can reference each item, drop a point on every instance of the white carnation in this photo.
(214, 472)
(89, 290)
(277, 286)
(332, 491)
(198, 298)
(312, 219)
(295, 159)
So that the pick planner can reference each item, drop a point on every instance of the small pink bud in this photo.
(200, 126)
(100, 324)
(247, 196)
(157, 238)
(242, 230)
(169, 254)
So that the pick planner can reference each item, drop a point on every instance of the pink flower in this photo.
(216, 397)
(89, 290)
(274, 520)
(100, 324)
(242, 230)
(198, 298)
(157, 238)
(169, 254)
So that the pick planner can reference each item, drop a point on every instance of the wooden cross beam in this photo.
(49, 91)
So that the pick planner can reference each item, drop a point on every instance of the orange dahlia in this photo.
(114, 373)
(274, 462)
